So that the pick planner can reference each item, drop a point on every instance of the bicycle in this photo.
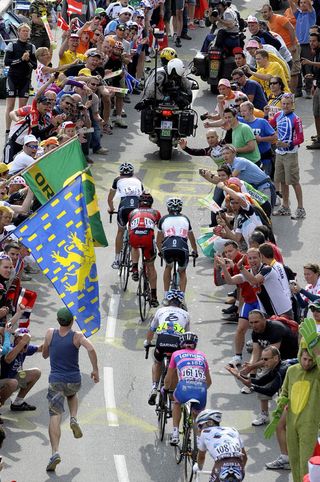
(144, 289)
(188, 450)
(125, 258)
(163, 405)
(175, 278)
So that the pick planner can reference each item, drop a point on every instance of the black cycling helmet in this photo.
(174, 204)
(146, 199)
(188, 338)
(126, 169)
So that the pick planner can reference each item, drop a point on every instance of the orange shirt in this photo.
(288, 13)
(277, 23)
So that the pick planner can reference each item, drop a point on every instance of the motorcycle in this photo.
(166, 124)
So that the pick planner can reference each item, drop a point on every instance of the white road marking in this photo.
(109, 397)
(112, 318)
(121, 468)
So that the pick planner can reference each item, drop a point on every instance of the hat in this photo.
(43, 100)
(51, 141)
(224, 82)
(315, 304)
(86, 72)
(65, 315)
(237, 50)
(74, 35)
(68, 124)
(121, 26)
(99, 10)
(3, 168)
(125, 10)
(252, 44)
(17, 180)
(29, 138)
(93, 53)
(139, 13)
(252, 19)
(21, 332)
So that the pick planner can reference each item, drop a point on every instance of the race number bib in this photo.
(192, 373)
(229, 450)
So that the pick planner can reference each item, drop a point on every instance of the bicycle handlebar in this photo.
(147, 350)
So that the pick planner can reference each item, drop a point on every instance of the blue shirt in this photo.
(304, 21)
(251, 87)
(262, 128)
(64, 359)
(10, 370)
(249, 172)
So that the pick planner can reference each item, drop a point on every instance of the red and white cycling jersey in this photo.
(144, 219)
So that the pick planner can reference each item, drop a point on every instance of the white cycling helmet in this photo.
(126, 168)
(175, 66)
(207, 415)
(174, 204)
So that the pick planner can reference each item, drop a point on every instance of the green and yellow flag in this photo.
(51, 173)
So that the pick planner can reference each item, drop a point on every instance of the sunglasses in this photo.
(94, 85)
(273, 83)
(33, 146)
(139, 16)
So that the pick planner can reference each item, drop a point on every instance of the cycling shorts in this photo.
(166, 344)
(127, 204)
(247, 307)
(224, 467)
(175, 248)
(18, 87)
(144, 238)
(188, 389)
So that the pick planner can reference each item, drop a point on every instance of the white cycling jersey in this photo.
(175, 225)
(221, 442)
(127, 186)
(170, 319)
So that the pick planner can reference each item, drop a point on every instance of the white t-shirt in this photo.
(221, 442)
(21, 161)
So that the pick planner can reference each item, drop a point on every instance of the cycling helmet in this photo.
(175, 66)
(188, 338)
(175, 295)
(146, 199)
(207, 415)
(168, 54)
(118, 45)
(174, 204)
(126, 169)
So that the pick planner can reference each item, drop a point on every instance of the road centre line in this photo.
(121, 468)
(109, 397)
(112, 318)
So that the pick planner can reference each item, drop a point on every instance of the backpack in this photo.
(293, 325)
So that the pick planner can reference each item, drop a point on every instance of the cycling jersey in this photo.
(289, 129)
(127, 186)
(221, 442)
(20, 70)
(175, 225)
(170, 319)
(190, 364)
(142, 223)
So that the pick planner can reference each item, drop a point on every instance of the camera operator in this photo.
(226, 24)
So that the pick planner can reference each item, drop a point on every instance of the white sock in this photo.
(284, 457)
(18, 401)
(117, 257)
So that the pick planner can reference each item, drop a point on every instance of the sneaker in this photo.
(246, 390)
(135, 276)
(233, 318)
(235, 361)
(202, 24)
(23, 407)
(53, 462)
(152, 397)
(147, 59)
(120, 123)
(101, 151)
(178, 42)
(262, 419)
(282, 211)
(299, 214)
(75, 427)
(278, 464)
(185, 36)
(314, 145)
(230, 310)
(154, 303)
(174, 38)
(115, 264)
(174, 439)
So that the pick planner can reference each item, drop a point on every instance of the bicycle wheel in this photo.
(162, 417)
(175, 281)
(143, 294)
(191, 454)
(125, 266)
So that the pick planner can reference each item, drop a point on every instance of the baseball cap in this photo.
(237, 50)
(68, 124)
(121, 26)
(93, 54)
(65, 315)
(252, 44)
(315, 304)
(74, 35)
(252, 19)
(3, 168)
(17, 180)
(224, 82)
(21, 332)
(125, 10)
(29, 138)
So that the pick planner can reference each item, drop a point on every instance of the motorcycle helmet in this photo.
(176, 295)
(188, 338)
(126, 169)
(207, 415)
(174, 204)
(167, 54)
(175, 67)
(146, 199)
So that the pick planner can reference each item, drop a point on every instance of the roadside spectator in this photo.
(266, 70)
(251, 88)
(26, 157)
(68, 52)
(266, 37)
(39, 36)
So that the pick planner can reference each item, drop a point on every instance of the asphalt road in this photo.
(120, 434)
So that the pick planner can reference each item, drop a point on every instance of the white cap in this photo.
(252, 19)
(125, 10)
(29, 138)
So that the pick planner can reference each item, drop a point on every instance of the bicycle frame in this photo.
(144, 289)
(188, 449)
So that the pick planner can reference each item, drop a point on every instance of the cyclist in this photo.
(172, 241)
(129, 188)
(225, 446)
(193, 372)
(142, 222)
(168, 323)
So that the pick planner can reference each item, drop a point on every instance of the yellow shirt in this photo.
(284, 65)
(274, 69)
(68, 57)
